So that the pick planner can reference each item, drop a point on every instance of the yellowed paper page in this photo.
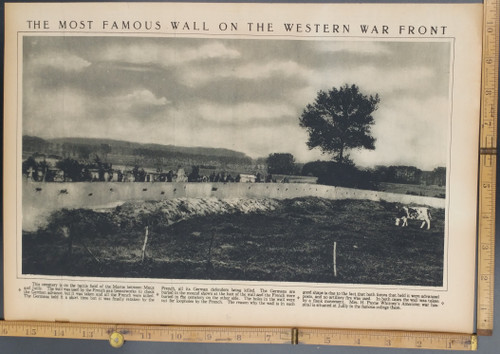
(310, 165)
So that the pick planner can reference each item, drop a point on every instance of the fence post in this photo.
(335, 259)
(145, 242)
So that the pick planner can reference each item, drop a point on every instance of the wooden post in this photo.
(335, 259)
(145, 242)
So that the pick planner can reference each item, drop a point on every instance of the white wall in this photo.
(40, 199)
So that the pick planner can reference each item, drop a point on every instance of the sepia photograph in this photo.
(284, 160)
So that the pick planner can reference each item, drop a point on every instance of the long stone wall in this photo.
(40, 199)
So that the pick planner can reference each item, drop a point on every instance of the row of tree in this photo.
(72, 170)
(347, 174)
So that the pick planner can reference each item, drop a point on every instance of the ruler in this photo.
(118, 334)
(388, 339)
(149, 333)
(487, 168)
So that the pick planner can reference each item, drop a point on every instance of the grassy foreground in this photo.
(269, 240)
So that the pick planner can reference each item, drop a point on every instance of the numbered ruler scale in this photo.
(117, 334)
(487, 168)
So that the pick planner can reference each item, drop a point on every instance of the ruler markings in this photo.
(487, 169)
(159, 333)
(396, 339)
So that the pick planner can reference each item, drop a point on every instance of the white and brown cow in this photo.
(414, 213)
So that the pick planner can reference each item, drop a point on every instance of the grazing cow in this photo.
(414, 213)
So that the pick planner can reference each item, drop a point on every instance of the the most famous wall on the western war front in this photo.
(39, 199)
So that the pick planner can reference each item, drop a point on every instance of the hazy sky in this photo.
(243, 94)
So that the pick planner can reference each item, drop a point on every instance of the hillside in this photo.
(125, 146)
(130, 153)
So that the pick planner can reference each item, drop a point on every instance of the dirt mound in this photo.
(173, 210)
(309, 205)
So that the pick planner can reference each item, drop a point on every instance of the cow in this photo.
(414, 213)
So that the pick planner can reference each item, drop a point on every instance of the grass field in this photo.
(289, 240)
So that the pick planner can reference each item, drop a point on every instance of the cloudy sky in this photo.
(243, 94)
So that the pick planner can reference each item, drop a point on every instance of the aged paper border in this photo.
(462, 187)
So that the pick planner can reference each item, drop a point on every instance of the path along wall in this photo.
(40, 199)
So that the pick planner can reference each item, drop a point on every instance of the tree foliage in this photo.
(337, 174)
(281, 163)
(39, 171)
(410, 175)
(73, 170)
(340, 120)
(194, 176)
(139, 174)
(29, 164)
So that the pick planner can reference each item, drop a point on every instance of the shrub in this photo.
(343, 175)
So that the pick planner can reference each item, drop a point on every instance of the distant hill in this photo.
(34, 143)
(119, 152)
(117, 145)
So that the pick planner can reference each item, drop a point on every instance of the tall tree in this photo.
(72, 169)
(281, 163)
(105, 149)
(29, 168)
(340, 120)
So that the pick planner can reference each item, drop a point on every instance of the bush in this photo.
(343, 175)
(281, 163)
(81, 223)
